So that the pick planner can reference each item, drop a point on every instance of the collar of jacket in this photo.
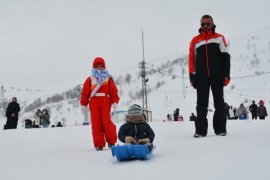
(135, 119)
(207, 35)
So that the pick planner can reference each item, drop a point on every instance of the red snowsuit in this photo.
(103, 129)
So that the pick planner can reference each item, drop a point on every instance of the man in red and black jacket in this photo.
(209, 67)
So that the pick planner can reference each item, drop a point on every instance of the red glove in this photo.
(226, 81)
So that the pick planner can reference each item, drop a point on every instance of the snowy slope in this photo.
(250, 57)
(68, 153)
(250, 64)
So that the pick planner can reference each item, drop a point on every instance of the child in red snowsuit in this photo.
(99, 92)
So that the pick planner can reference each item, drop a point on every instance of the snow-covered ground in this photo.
(68, 153)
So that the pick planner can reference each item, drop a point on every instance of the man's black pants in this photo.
(219, 119)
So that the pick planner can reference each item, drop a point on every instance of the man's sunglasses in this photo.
(207, 24)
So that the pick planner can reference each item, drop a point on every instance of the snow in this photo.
(68, 153)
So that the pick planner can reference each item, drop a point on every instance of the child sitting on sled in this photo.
(136, 130)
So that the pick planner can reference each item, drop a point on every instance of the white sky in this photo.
(51, 44)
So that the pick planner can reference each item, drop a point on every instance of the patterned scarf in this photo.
(100, 75)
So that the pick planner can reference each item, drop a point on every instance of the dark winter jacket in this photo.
(253, 108)
(13, 107)
(208, 56)
(137, 131)
(262, 111)
(45, 118)
(12, 115)
(176, 115)
(59, 124)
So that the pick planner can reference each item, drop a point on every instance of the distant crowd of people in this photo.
(257, 112)
(41, 119)
(176, 116)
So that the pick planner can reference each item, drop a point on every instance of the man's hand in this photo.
(193, 80)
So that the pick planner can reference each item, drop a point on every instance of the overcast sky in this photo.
(51, 43)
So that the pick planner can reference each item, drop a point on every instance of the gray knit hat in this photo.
(135, 109)
(135, 114)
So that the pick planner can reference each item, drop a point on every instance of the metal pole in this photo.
(143, 46)
(142, 74)
(145, 106)
(183, 79)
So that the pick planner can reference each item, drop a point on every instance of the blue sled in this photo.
(242, 117)
(130, 152)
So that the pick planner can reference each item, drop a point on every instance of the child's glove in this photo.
(114, 105)
(84, 109)
(144, 141)
(130, 140)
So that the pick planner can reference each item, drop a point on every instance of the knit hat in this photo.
(135, 114)
(99, 60)
(261, 102)
(135, 109)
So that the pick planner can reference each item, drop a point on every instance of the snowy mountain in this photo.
(250, 68)
(168, 86)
